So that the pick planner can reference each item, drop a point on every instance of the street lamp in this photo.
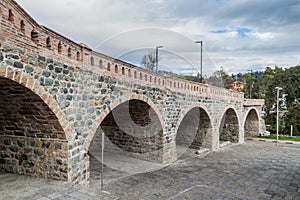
(200, 42)
(156, 56)
(277, 113)
(251, 71)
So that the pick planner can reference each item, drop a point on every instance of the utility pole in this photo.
(251, 71)
(277, 113)
(201, 46)
(156, 56)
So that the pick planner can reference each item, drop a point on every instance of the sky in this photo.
(237, 35)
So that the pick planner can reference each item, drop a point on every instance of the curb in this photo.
(274, 141)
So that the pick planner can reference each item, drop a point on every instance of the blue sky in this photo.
(237, 35)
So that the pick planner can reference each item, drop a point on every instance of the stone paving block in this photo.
(213, 177)
(54, 195)
(44, 198)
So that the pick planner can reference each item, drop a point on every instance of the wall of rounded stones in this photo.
(82, 93)
(133, 128)
(194, 130)
(31, 139)
(36, 157)
(229, 130)
(252, 124)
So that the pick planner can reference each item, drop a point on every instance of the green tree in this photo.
(264, 87)
(220, 79)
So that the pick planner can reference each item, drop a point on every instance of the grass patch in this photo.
(281, 138)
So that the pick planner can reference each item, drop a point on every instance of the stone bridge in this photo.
(58, 96)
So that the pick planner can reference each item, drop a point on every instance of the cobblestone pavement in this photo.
(253, 170)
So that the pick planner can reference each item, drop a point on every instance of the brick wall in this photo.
(60, 95)
(31, 139)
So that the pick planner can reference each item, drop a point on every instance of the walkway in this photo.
(254, 170)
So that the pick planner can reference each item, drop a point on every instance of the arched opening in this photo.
(59, 48)
(48, 42)
(78, 56)
(132, 132)
(100, 63)
(135, 74)
(69, 52)
(22, 26)
(108, 66)
(251, 124)
(32, 140)
(34, 36)
(141, 76)
(116, 69)
(92, 60)
(123, 71)
(194, 132)
(10, 15)
(129, 72)
(229, 127)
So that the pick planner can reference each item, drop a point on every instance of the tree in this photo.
(263, 86)
(149, 61)
(221, 79)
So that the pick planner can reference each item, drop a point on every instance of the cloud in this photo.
(236, 34)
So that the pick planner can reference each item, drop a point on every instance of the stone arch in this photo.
(194, 129)
(115, 104)
(120, 144)
(251, 123)
(229, 126)
(33, 140)
(28, 81)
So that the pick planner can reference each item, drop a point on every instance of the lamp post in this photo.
(250, 82)
(200, 42)
(156, 56)
(277, 113)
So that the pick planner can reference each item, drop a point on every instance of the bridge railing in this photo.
(19, 29)
(254, 102)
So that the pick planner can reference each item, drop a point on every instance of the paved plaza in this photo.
(253, 170)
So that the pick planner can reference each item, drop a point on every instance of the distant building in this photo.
(237, 86)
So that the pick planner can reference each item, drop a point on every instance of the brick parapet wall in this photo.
(81, 91)
(89, 59)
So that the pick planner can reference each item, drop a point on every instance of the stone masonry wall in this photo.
(31, 139)
(193, 129)
(230, 127)
(80, 87)
(252, 124)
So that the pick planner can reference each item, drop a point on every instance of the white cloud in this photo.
(263, 36)
(258, 33)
